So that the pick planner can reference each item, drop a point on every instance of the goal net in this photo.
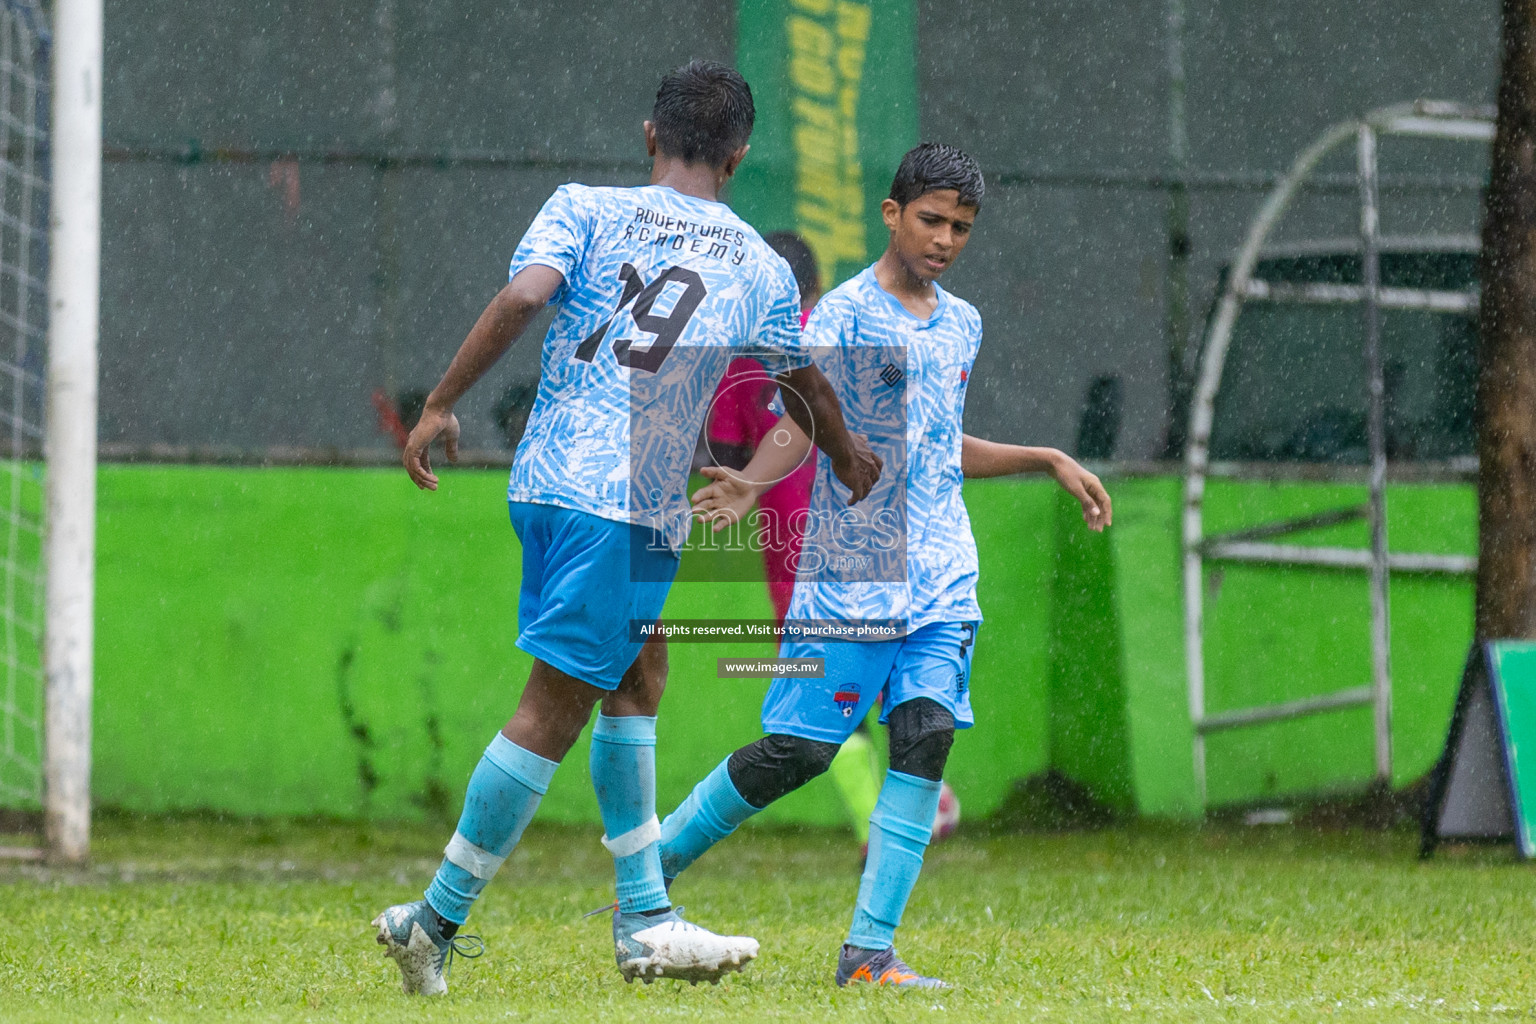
(24, 46)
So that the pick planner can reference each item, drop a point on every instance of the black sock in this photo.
(655, 913)
(446, 928)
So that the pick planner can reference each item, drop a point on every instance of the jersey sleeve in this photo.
(558, 236)
(830, 327)
(778, 343)
(976, 336)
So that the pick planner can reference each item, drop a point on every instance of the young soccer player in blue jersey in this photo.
(658, 288)
(899, 351)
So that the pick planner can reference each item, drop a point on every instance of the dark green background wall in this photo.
(305, 202)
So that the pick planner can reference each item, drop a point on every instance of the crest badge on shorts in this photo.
(847, 700)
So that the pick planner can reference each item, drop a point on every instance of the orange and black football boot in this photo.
(880, 967)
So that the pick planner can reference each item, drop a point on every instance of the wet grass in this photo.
(200, 919)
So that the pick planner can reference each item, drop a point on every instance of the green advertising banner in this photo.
(1484, 787)
(1514, 675)
(835, 85)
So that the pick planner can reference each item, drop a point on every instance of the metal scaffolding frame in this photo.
(1423, 119)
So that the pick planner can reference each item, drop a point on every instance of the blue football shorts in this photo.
(585, 579)
(932, 661)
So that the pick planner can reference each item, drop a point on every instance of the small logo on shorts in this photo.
(967, 638)
(848, 700)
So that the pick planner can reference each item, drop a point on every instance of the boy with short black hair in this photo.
(658, 288)
(899, 351)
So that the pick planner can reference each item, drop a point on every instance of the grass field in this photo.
(207, 920)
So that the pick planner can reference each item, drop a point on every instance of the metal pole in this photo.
(70, 544)
(388, 205)
(1176, 291)
(1370, 262)
(1201, 413)
(1425, 119)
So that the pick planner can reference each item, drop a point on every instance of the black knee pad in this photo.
(777, 764)
(921, 733)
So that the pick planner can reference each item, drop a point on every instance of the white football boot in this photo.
(411, 938)
(666, 946)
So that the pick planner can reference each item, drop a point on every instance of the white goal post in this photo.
(70, 528)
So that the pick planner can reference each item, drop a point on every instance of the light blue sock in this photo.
(711, 812)
(503, 793)
(899, 832)
(624, 775)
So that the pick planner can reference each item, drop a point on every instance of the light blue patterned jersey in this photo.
(901, 382)
(661, 291)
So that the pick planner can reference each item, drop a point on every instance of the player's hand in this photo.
(432, 425)
(1086, 488)
(859, 469)
(726, 501)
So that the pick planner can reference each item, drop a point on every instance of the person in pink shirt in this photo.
(739, 420)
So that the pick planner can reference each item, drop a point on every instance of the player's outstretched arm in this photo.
(498, 327)
(811, 403)
(730, 497)
(981, 458)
